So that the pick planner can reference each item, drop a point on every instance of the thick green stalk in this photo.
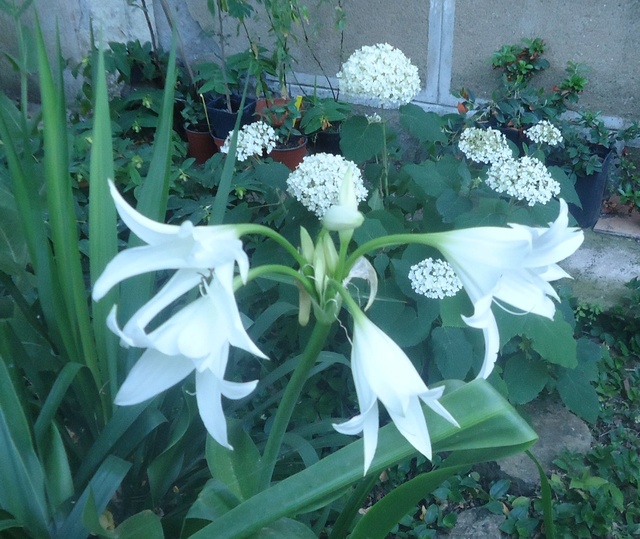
(277, 269)
(385, 160)
(248, 228)
(391, 241)
(289, 400)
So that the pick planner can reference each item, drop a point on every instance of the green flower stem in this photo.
(271, 269)
(289, 400)
(393, 240)
(385, 160)
(262, 230)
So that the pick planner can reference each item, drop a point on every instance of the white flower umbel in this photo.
(196, 337)
(382, 371)
(508, 265)
(544, 132)
(526, 178)
(253, 139)
(484, 145)
(317, 181)
(381, 74)
(434, 279)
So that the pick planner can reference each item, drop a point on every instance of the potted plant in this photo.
(588, 157)
(321, 122)
(200, 144)
(291, 145)
(226, 79)
(516, 105)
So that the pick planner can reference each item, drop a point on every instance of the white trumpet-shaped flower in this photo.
(197, 337)
(180, 247)
(508, 265)
(382, 372)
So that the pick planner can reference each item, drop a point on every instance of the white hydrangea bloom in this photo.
(380, 73)
(316, 182)
(434, 279)
(484, 145)
(526, 178)
(545, 132)
(253, 139)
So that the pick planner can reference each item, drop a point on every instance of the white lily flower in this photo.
(195, 338)
(509, 265)
(199, 335)
(194, 248)
(382, 371)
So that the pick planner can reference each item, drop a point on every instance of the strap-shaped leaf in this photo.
(487, 422)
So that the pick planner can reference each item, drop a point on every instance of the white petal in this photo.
(139, 260)
(181, 282)
(146, 229)
(363, 269)
(413, 426)
(209, 398)
(152, 374)
(487, 322)
(237, 390)
(386, 368)
(430, 398)
(227, 307)
(367, 423)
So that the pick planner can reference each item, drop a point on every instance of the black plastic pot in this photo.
(590, 190)
(223, 121)
(326, 142)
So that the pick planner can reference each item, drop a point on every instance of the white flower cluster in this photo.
(434, 279)
(380, 73)
(374, 118)
(316, 182)
(544, 132)
(253, 139)
(484, 145)
(526, 178)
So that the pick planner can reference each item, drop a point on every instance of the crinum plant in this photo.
(94, 421)
(508, 266)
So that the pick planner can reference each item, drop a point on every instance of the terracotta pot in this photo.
(200, 144)
(223, 121)
(291, 157)
(275, 120)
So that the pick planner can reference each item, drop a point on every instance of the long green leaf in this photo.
(547, 500)
(22, 492)
(238, 469)
(61, 211)
(385, 514)
(152, 198)
(54, 398)
(25, 185)
(121, 421)
(102, 487)
(103, 234)
(486, 419)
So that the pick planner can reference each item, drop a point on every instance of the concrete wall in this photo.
(451, 41)
(602, 35)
